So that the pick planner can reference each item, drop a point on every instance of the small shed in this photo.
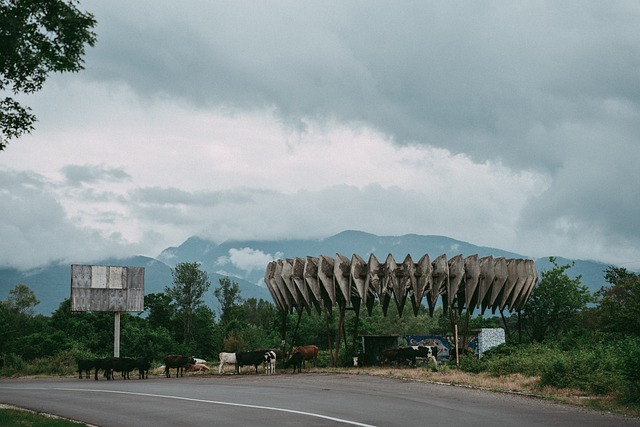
(371, 347)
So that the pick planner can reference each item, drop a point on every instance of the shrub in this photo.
(513, 359)
(324, 359)
(630, 367)
(13, 364)
(593, 369)
(471, 363)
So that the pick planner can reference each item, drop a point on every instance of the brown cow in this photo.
(309, 352)
(177, 361)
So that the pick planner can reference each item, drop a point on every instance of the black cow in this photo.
(109, 365)
(394, 356)
(85, 365)
(248, 358)
(124, 365)
(103, 364)
(143, 364)
(408, 355)
(177, 361)
(296, 360)
(427, 352)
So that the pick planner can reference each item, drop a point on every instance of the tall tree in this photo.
(189, 285)
(229, 299)
(22, 299)
(37, 38)
(555, 303)
(159, 310)
(619, 307)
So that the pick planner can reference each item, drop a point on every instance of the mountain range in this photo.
(245, 262)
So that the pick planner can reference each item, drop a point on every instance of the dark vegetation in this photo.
(565, 336)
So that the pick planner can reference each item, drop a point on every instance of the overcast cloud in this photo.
(507, 124)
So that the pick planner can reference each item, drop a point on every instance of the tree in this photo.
(619, 307)
(37, 38)
(555, 304)
(189, 285)
(17, 319)
(22, 299)
(228, 296)
(260, 313)
(160, 312)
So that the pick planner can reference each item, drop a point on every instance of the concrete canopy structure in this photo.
(462, 283)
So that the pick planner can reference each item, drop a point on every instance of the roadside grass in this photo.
(10, 416)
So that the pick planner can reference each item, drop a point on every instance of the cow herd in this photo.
(259, 357)
(109, 365)
(266, 358)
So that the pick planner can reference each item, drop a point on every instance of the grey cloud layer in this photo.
(491, 80)
(553, 87)
(547, 87)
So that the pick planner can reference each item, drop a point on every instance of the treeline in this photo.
(566, 335)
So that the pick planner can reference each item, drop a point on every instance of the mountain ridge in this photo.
(244, 261)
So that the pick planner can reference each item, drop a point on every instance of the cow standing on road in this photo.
(225, 358)
(85, 365)
(247, 358)
(308, 352)
(143, 364)
(296, 360)
(177, 361)
(270, 362)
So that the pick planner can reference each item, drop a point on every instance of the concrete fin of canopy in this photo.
(487, 276)
(471, 279)
(342, 273)
(463, 283)
(327, 285)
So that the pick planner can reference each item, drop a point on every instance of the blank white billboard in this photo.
(107, 288)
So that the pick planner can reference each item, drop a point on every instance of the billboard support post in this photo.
(116, 335)
(108, 288)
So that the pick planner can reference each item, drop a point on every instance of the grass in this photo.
(10, 416)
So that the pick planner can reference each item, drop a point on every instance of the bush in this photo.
(630, 367)
(13, 364)
(594, 369)
(471, 363)
(324, 359)
(508, 359)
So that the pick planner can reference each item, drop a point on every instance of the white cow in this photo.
(226, 358)
(270, 362)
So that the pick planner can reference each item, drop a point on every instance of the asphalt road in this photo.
(306, 399)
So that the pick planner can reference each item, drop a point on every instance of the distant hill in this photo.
(52, 283)
(217, 257)
(245, 262)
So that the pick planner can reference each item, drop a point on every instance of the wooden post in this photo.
(355, 332)
(340, 326)
(455, 338)
(116, 335)
(283, 331)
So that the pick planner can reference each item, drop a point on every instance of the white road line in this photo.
(214, 402)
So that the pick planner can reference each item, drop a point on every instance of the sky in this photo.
(513, 125)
